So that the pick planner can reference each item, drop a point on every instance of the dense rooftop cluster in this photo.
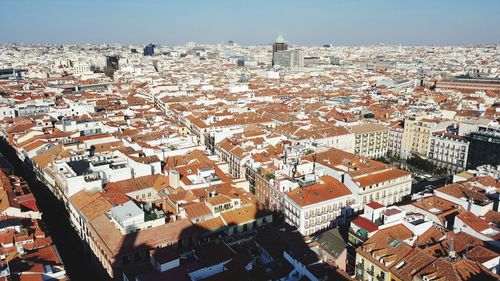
(204, 162)
(26, 247)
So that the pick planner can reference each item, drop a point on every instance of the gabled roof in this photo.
(387, 244)
(243, 215)
(443, 269)
(90, 205)
(331, 241)
(35, 145)
(473, 221)
(197, 210)
(464, 191)
(44, 159)
(365, 224)
(409, 265)
(375, 205)
(218, 200)
(330, 189)
(114, 243)
(156, 181)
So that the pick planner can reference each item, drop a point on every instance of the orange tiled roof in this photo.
(330, 188)
(243, 215)
(156, 181)
(197, 210)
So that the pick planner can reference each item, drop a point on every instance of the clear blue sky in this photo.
(306, 22)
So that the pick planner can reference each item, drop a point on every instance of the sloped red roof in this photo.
(375, 205)
(365, 224)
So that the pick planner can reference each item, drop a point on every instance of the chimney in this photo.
(174, 178)
(451, 252)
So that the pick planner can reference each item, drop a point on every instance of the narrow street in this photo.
(77, 263)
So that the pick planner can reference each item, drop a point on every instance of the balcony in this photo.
(359, 277)
(357, 238)
(359, 271)
(360, 266)
(370, 271)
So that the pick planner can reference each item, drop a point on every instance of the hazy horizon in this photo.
(312, 23)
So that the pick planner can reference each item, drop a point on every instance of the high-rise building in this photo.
(289, 58)
(279, 45)
(297, 58)
(149, 50)
(484, 147)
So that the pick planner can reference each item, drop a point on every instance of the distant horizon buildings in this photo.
(192, 44)
(167, 160)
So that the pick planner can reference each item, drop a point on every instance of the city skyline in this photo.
(255, 23)
(346, 140)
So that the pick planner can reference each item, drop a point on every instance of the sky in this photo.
(251, 22)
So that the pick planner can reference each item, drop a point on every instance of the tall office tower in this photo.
(297, 58)
(279, 45)
(149, 50)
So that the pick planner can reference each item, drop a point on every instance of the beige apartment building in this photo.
(371, 140)
(417, 133)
